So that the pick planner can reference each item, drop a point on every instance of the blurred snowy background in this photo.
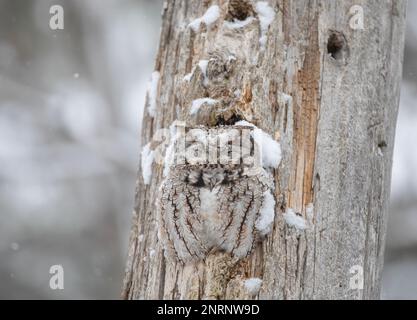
(70, 115)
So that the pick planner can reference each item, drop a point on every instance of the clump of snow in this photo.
(152, 92)
(380, 152)
(266, 15)
(238, 24)
(140, 237)
(152, 252)
(203, 67)
(196, 105)
(253, 285)
(202, 64)
(267, 214)
(148, 156)
(211, 15)
(294, 220)
(270, 150)
(188, 77)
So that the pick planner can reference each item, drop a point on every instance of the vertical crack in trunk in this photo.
(306, 117)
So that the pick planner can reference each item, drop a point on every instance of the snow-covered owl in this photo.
(213, 201)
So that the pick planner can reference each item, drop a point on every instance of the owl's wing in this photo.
(179, 221)
(240, 205)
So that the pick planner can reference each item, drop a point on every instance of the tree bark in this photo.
(329, 94)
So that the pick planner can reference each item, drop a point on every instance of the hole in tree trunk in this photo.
(337, 45)
(221, 121)
(239, 10)
(382, 145)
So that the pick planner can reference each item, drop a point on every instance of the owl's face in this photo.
(213, 178)
(210, 176)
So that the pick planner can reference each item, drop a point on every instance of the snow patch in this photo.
(294, 220)
(266, 15)
(253, 285)
(270, 150)
(267, 214)
(151, 252)
(188, 77)
(152, 92)
(202, 64)
(203, 67)
(140, 237)
(238, 24)
(196, 105)
(148, 156)
(211, 15)
(380, 152)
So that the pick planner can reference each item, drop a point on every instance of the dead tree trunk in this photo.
(328, 91)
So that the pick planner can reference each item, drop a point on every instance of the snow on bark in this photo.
(146, 162)
(152, 93)
(196, 104)
(253, 285)
(267, 214)
(203, 64)
(211, 15)
(294, 220)
(238, 24)
(266, 15)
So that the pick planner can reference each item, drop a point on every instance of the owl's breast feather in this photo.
(209, 214)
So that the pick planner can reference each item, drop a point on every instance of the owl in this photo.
(207, 205)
